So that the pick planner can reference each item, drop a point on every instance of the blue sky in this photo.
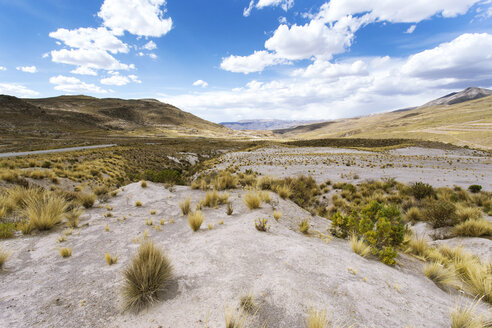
(241, 59)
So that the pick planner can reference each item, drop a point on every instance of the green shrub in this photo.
(475, 188)
(173, 176)
(7, 230)
(380, 226)
(440, 213)
(421, 190)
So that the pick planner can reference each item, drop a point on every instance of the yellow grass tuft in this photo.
(473, 228)
(45, 211)
(252, 200)
(185, 206)
(87, 200)
(195, 220)
(138, 203)
(466, 317)
(66, 252)
(265, 197)
(304, 226)
(149, 273)
(284, 191)
(277, 215)
(441, 275)
(73, 217)
(316, 319)
(143, 184)
(359, 246)
(247, 303)
(418, 246)
(111, 260)
(234, 319)
(3, 258)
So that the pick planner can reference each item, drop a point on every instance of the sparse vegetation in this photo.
(185, 206)
(3, 258)
(45, 211)
(195, 220)
(466, 317)
(110, 259)
(233, 319)
(247, 303)
(359, 246)
(66, 252)
(252, 200)
(262, 225)
(149, 273)
(229, 209)
(304, 226)
(277, 215)
(73, 217)
(316, 319)
(138, 203)
(143, 184)
(441, 275)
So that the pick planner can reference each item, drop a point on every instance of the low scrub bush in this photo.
(262, 225)
(380, 225)
(440, 213)
(7, 230)
(421, 190)
(172, 176)
(149, 273)
(475, 188)
(195, 220)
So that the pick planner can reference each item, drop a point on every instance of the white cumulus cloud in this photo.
(90, 38)
(252, 63)
(27, 69)
(84, 70)
(71, 84)
(89, 58)
(3, 68)
(411, 29)
(150, 45)
(119, 80)
(139, 17)
(15, 89)
(200, 83)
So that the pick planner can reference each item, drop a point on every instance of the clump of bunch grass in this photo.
(359, 246)
(195, 220)
(66, 252)
(149, 273)
(466, 317)
(252, 200)
(304, 226)
(284, 191)
(247, 303)
(277, 215)
(473, 228)
(185, 206)
(45, 211)
(143, 184)
(87, 200)
(413, 214)
(234, 319)
(441, 275)
(265, 197)
(138, 203)
(3, 258)
(464, 213)
(417, 246)
(229, 209)
(73, 217)
(111, 259)
(316, 318)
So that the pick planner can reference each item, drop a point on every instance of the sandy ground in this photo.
(437, 167)
(285, 270)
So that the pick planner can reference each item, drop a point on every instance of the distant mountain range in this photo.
(256, 125)
(461, 118)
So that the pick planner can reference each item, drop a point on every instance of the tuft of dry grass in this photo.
(211, 199)
(284, 191)
(185, 206)
(45, 211)
(111, 259)
(473, 228)
(316, 318)
(229, 209)
(477, 279)
(265, 197)
(210, 226)
(138, 203)
(66, 252)
(143, 184)
(195, 220)
(442, 276)
(87, 200)
(252, 200)
(413, 214)
(466, 317)
(73, 217)
(418, 246)
(304, 226)
(149, 273)
(3, 258)
(234, 319)
(468, 213)
(359, 246)
(247, 303)
(277, 215)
